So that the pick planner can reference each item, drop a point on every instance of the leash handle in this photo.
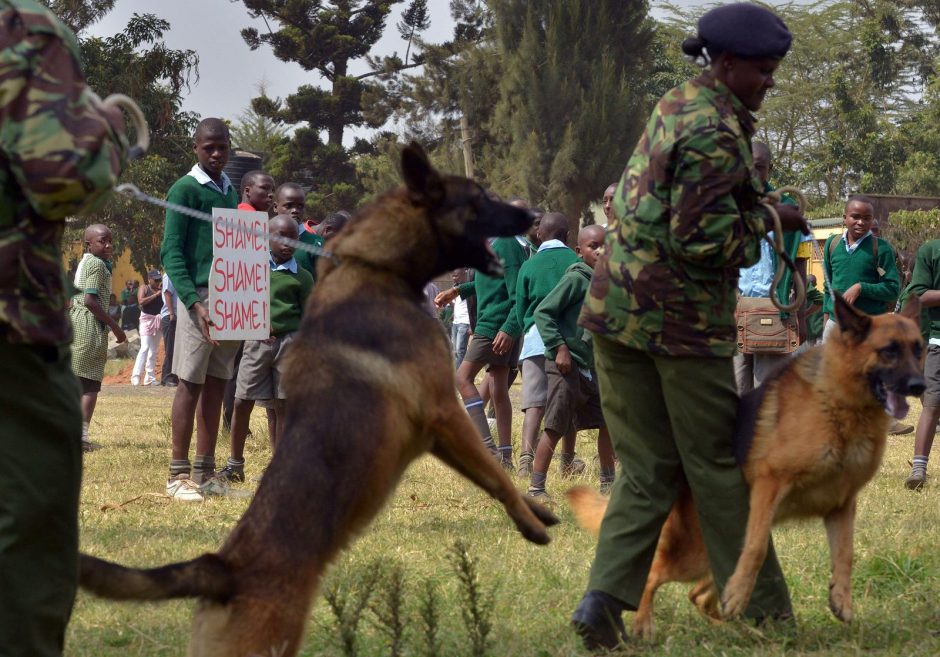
(783, 258)
(138, 120)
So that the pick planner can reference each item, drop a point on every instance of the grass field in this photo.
(524, 593)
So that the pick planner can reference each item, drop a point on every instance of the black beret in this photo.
(741, 29)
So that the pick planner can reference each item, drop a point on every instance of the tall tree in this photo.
(570, 108)
(259, 134)
(138, 63)
(328, 38)
(79, 14)
(415, 20)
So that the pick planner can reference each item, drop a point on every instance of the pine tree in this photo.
(573, 97)
(414, 20)
(326, 37)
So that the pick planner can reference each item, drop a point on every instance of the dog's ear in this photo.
(911, 308)
(853, 322)
(423, 182)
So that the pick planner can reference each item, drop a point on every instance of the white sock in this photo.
(84, 431)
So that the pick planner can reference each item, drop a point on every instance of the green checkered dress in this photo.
(90, 345)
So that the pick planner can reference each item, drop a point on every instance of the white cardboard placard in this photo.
(240, 277)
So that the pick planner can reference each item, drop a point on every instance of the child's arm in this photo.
(888, 287)
(565, 295)
(93, 305)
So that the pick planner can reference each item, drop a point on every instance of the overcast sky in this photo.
(228, 71)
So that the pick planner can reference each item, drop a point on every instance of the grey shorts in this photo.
(573, 400)
(480, 350)
(194, 358)
(534, 384)
(932, 375)
(262, 369)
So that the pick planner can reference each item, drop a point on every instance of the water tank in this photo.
(240, 163)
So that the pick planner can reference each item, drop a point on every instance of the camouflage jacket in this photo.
(686, 219)
(58, 155)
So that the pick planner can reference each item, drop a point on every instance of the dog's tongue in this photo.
(896, 405)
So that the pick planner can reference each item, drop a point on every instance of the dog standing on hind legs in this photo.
(808, 440)
(370, 388)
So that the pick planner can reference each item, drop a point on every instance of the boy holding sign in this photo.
(202, 364)
(263, 363)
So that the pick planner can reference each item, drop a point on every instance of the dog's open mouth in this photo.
(895, 403)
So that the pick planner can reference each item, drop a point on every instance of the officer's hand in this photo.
(202, 317)
(790, 219)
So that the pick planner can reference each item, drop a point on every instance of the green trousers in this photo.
(670, 417)
(40, 478)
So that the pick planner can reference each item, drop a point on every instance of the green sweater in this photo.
(538, 276)
(289, 294)
(495, 295)
(307, 260)
(557, 316)
(187, 243)
(925, 277)
(879, 292)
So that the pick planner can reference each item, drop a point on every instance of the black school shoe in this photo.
(598, 622)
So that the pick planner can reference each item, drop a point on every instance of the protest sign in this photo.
(240, 276)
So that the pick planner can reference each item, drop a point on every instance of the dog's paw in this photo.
(542, 512)
(735, 598)
(644, 628)
(840, 602)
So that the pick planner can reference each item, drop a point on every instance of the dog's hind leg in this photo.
(766, 493)
(840, 529)
(458, 444)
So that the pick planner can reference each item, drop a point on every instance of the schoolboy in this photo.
(202, 364)
(257, 188)
(90, 321)
(925, 283)
(289, 199)
(491, 345)
(861, 266)
(263, 361)
(573, 399)
(538, 276)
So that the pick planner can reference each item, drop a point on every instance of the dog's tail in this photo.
(208, 576)
(589, 507)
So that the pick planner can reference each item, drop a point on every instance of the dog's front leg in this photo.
(840, 530)
(458, 444)
(766, 493)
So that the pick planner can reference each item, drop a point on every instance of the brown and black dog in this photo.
(808, 440)
(370, 388)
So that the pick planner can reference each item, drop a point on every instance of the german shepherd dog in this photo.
(808, 440)
(370, 387)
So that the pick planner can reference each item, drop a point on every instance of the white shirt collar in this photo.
(552, 244)
(203, 179)
(851, 247)
(287, 265)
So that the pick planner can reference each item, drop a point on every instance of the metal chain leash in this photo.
(132, 190)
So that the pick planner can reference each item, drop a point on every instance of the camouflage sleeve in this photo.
(61, 150)
(711, 225)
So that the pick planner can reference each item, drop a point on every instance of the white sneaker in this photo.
(135, 380)
(151, 382)
(182, 488)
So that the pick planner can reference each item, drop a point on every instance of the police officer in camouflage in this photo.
(661, 310)
(61, 152)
